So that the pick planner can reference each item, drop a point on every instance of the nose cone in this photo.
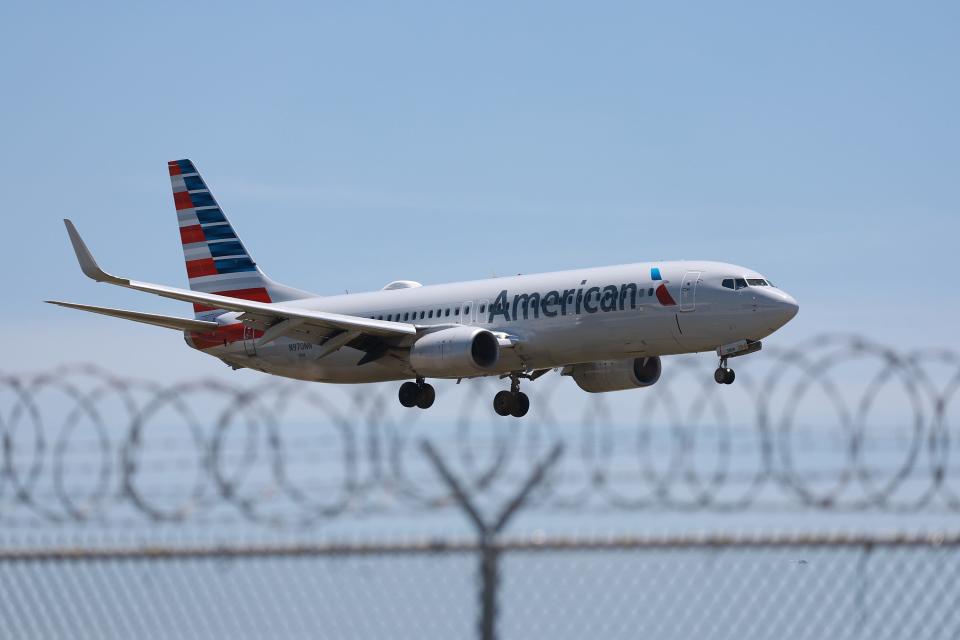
(784, 306)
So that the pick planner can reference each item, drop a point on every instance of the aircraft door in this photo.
(688, 291)
(249, 341)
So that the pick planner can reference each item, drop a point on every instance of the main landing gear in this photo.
(724, 374)
(417, 394)
(514, 402)
(511, 403)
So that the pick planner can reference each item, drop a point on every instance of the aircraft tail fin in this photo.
(217, 260)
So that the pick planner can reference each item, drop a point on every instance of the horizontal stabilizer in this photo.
(170, 322)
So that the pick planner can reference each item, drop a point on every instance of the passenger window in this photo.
(466, 310)
(447, 313)
(456, 311)
(421, 314)
(482, 307)
(430, 315)
(650, 291)
(406, 316)
(728, 283)
(741, 283)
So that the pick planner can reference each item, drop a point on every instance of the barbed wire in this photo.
(81, 444)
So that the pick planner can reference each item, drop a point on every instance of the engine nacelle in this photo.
(616, 375)
(458, 352)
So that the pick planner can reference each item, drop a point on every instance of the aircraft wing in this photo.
(280, 318)
(170, 322)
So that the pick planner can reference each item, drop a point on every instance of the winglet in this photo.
(88, 265)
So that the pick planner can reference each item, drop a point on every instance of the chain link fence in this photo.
(737, 588)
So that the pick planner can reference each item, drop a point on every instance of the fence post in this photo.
(489, 581)
(487, 532)
(862, 588)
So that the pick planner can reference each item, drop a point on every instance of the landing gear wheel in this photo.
(409, 393)
(724, 375)
(514, 402)
(426, 397)
(521, 404)
(503, 403)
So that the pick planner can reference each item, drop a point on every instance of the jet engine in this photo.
(615, 375)
(458, 352)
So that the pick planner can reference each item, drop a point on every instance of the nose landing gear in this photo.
(724, 374)
(417, 394)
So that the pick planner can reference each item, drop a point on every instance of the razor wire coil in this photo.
(675, 447)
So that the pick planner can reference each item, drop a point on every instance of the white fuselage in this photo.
(548, 319)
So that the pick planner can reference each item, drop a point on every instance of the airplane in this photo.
(607, 327)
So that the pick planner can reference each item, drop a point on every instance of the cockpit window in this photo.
(741, 283)
(756, 282)
(728, 283)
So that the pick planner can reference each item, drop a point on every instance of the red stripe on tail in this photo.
(192, 234)
(202, 267)
(182, 200)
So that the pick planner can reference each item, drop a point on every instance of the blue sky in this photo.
(358, 143)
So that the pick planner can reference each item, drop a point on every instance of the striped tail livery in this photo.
(217, 262)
